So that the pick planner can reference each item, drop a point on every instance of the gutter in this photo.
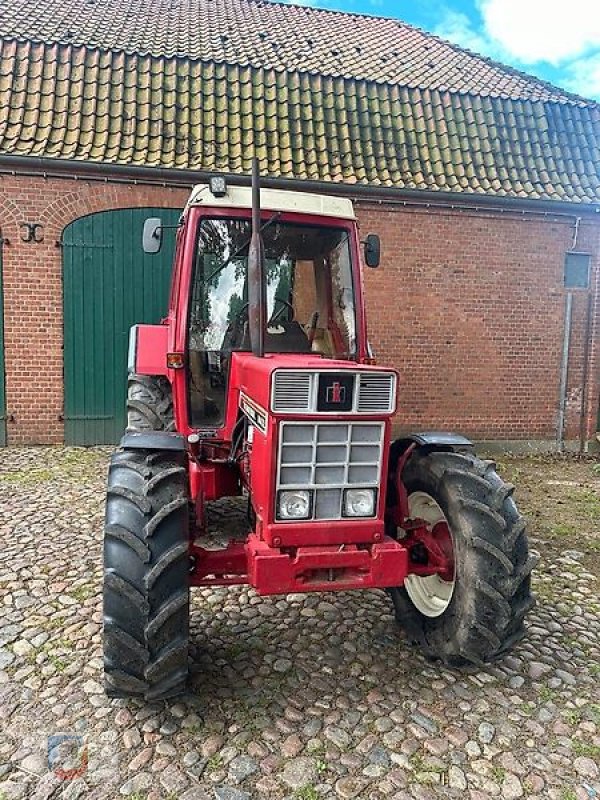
(73, 169)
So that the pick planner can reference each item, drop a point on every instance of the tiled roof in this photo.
(72, 102)
(271, 36)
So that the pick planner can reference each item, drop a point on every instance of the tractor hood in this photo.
(286, 384)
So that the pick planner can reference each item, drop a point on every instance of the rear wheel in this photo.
(149, 403)
(473, 610)
(146, 575)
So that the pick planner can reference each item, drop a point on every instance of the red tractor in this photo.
(260, 382)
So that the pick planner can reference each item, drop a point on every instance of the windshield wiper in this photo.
(241, 249)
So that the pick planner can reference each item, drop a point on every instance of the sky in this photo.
(557, 40)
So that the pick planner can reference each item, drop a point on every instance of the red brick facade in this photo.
(468, 305)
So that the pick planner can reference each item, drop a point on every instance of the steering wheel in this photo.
(237, 320)
(284, 304)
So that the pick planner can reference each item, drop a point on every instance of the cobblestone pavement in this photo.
(302, 697)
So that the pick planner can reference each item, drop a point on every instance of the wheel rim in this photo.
(430, 594)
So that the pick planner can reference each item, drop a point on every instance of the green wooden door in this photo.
(2, 373)
(109, 284)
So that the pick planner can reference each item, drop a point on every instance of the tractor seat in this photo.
(286, 337)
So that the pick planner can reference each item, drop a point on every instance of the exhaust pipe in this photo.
(256, 278)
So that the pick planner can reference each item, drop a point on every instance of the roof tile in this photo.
(68, 101)
(271, 36)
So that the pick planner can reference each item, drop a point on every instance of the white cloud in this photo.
(583, 76)
(534, 34)
(458, 28)
(542, 30)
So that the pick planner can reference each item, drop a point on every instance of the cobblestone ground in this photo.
(301, 697)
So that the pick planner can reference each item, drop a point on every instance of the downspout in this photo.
(564, 363)
(583, 433)
(3, 241)
(564, 373)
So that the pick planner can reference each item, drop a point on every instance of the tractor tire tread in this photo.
(130, 539)
(149, 404)
(126, 591)
(166, 611)
(122, 491)
(177, 551)
(164, 475)
(123, 639)
(123, 684)
(146, 584)
(162, 666)
(162, 515)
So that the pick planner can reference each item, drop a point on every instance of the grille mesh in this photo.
(375, 392)
(295, 391)
(292, 391)
(328, 457)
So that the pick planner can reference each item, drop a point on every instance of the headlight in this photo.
(293, 505)
(359, 503)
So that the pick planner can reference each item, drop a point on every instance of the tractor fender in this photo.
(428, 440)
(153, 440)
(436, 440)
(147, 353)
(401, 451)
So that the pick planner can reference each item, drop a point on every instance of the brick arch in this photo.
(8, 208)
(93, 199)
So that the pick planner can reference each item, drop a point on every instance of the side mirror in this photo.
(152, 235)
(372, 250)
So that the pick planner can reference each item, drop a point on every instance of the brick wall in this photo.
(468, 306)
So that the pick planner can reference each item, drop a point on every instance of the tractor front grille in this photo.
(328, 457)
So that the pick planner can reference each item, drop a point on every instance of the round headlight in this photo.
(359, 502)
(294, 505)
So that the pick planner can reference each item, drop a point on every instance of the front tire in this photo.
(146, 575)
(480, 616)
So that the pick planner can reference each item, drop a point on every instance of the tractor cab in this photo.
(309, 293)
(311, 288)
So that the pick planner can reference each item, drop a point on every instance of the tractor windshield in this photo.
(309, 292)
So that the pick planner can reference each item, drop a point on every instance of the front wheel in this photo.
(146, 575)
(473, 609)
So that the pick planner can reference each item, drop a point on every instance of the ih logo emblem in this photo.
(336, 393)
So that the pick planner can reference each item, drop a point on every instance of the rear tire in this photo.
(146, 575)
(491, 594)
(149, 403)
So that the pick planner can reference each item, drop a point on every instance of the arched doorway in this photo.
(109, 284)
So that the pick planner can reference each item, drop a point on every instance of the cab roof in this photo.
(275, 200)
